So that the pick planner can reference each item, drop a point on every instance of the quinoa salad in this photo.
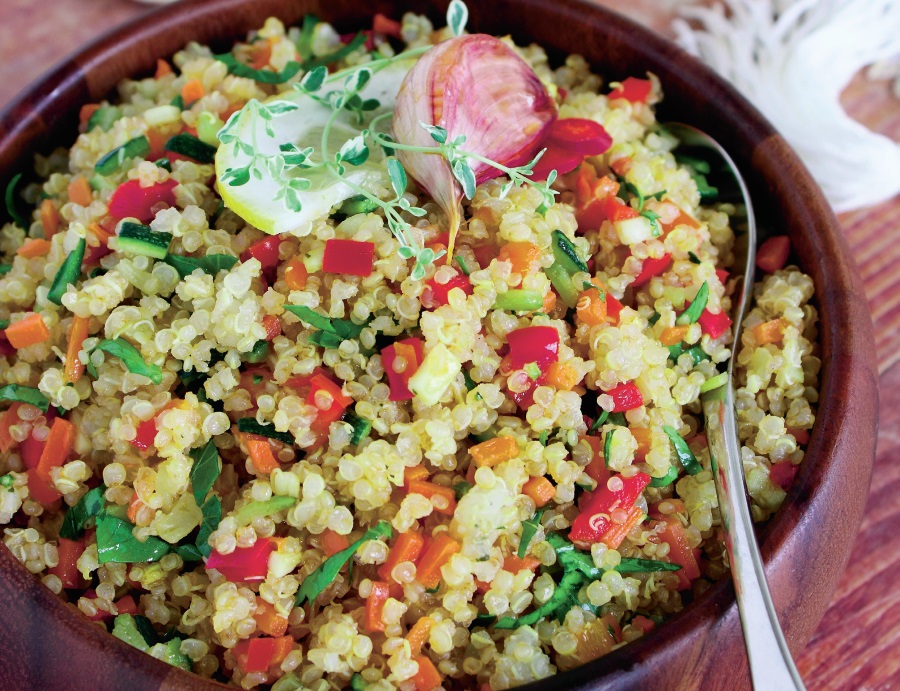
(321, 370)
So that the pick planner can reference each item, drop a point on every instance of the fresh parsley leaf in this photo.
(117, 543)
(251, 426)
(341, 329)
(239, 69)
(694, 258)
(607, 446)
(130, 357)
(212, 514)
(529, 529)
(598, 423)
(24, 394)
(630, 565)
(205, 471)
(76, 518)
(211, 264)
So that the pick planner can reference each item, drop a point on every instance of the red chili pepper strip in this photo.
(350, 257)
(556, 158)
(594, 521)
(265, 250)
(652, 267)
(436, 294)
(587, 137)
(245, 563)
(627, 396)
(539, 344)
(714, 324)
(399, 380)
(772, 255)
(130, 200)
(632, 89)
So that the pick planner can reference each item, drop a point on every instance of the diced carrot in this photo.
(373, 620)
(268, 620)
(386, 26)
(272, 325)
(162, 69)
(494, 451)
(57, 447)
(621, 166)
(80, 191)
(66, 569)
(597, 469)
(427, 678)
(418, 635)
(33, 247)
(549, 303)
(773, 254)
(680, 551)
(192, 91)
(126, 605)
(770, 331)
(407, 547)
(675, 506)
(432, 491)
(9, 418)
(27, 331)
(262, 54)
(49, 218)
(513, 564)
(643, 623)
(438, 553)
(416, 472)
(87, 110)
(562, 376)
(524, 257)
(642, 437)
(41, 490)
(283, 646)
(261, 456)
(79, 332)
(333, 542)
(591, 307)
(133, 507)
(295, 274)
(540, 489)
(672, 335)
(617, 533)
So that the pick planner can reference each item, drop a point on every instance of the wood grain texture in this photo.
(836, 659)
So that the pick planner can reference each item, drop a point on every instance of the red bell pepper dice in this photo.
(556, 158)
(272, 325)
(783, 473)
(350, 257)
(130, 200)
(399, 381)
(66, 568)
(587, 137)
(593, 522)
(146, 434)
(772, 255)
(652, 267)
(126, 605)
(328, 398)
(632, 89)
(714, 324)
(385, 26)
(244, 563)
(265, 250)
(435, 294)
(613, 308)
(626, 396)
(722, 275)
(539, 344)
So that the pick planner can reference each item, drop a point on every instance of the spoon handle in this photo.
(771, 665)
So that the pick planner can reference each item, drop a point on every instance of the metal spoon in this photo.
(771, 665)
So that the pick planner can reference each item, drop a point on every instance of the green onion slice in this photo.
(682, 450)
(68, 273)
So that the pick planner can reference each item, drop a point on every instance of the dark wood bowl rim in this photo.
(849, 390)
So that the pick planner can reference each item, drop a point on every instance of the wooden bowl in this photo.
(48, 644)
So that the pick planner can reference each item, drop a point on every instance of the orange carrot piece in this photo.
(416, 472)
(801, 435)
(49, 218)
(591, 307)
(431, 490)
(261, 456)
(643, 623)
(9, 418)
(524, 257)
(283, 646)
(295, 274)
(79, 332)
(80, 192)
(373, 620)
(770, 332)
(57, 447)
(513, 564)
(596, 469)
(418, 635)
(27, 331)
(680, 551)
(561, 376)
(540, 489)
(642, 437)
(34, 247)
(407, 547)
(162, 69)
(672, 335)
(494, 451)
(192, 91)
(617, 533)
(549, 303)
(262, 54)
(333, 542)
(133, 507)
(268, 620)
(427, 678)
(675, 506)
(428, 571)
(87, 110)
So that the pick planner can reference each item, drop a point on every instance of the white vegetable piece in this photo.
(437, 372)
(633, 230)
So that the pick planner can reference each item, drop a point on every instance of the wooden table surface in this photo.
(856, 645)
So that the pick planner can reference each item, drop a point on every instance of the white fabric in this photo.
(792, 59)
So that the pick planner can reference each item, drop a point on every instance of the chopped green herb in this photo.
(130, 357)
(7, 481)
(239, 69)
(4, 324)
(357, 205)
(350, 47)
(178, 102)
(192, 147)
(598, 423)
(110, 162)
(319, 579)
(462, 264)
(76, 518)
(205, 470)
(618, 419)
(653, 217)
(211, 264)
(117, 543)
(695, 309)
(694, 258)
(683, 451)
(543, 438)
(163, 163)
(653, 319)
(533, 371)
(607, 446)
(251, 426)
(10, 199)
(5, 268)
(104, 118)
(467, 378)
(696, 352)
(24, 394)
(361, 427)
(258, 353)
(332, 332)
(357, 683)
(257, 379)
(68, 273)
(460, 488)
(212, 514)
(629, 565)
(529, 529)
